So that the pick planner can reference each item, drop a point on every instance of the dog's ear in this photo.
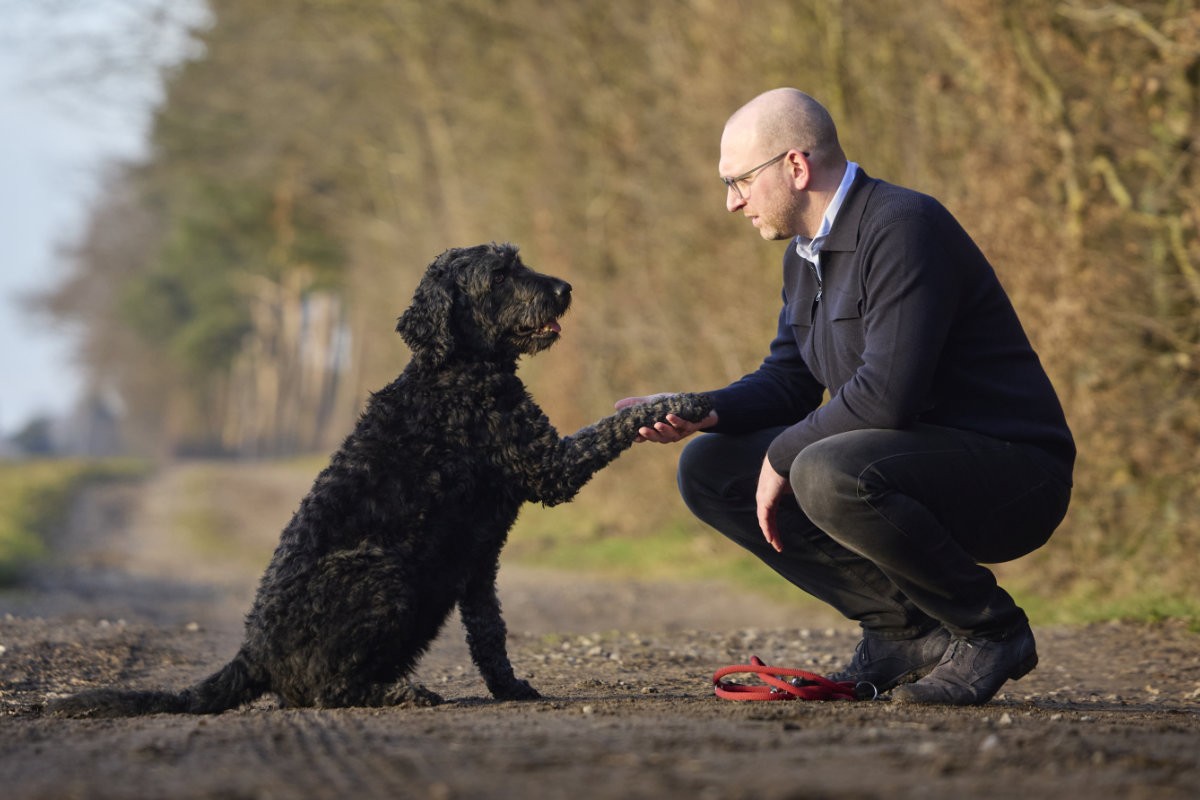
(506, 252)
(425, 326)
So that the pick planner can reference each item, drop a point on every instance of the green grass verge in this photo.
(684, 550)
(35, 496)
(1091, 602)
(681, 550)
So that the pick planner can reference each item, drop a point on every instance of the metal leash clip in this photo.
(865, 690)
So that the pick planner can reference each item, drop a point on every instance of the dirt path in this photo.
(132, 599)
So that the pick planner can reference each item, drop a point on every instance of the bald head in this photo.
(782, 119)
(791, 129)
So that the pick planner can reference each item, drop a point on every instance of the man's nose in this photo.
(733, 200)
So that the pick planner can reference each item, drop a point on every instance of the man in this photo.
(941, 445)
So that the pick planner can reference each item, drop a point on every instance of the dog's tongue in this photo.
(554, 326)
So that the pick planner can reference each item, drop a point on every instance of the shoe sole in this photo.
(886, 686)
(1019, 671)
(914, 675)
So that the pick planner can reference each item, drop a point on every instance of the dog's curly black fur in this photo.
(409, 517)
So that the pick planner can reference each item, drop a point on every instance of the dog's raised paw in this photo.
(692, 407)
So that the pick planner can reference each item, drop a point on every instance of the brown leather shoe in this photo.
(973, 670)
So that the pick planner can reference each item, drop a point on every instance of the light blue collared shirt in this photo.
(810, 249)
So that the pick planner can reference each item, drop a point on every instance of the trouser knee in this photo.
(701, 474)
(826, 483)
(718, 477)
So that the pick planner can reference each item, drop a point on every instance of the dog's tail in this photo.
(229, 687)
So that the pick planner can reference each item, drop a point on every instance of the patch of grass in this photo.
(1095, 603)
(679, 550)
(233, 512)
(576, 538)
(36, 495)
(199, 512)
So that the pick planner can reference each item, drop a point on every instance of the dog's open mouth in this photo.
(551, 328)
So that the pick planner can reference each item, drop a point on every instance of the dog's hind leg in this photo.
(487, 638)
(409, 693)
(402, 692)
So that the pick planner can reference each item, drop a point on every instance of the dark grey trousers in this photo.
(889, 526)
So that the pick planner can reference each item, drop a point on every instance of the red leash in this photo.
(803, 686)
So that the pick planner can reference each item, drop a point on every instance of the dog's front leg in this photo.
(556, 472)
(487, 638)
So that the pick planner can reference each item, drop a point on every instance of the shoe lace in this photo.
(956, 642)
(856, 664)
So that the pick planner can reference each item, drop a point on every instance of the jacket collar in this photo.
(844, 233)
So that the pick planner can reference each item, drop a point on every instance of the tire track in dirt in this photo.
(624, 667)
(338, 755)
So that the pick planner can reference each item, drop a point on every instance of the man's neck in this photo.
(822, 196)
(810, 246)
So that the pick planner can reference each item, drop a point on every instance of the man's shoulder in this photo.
(884, 200)
(874, 206)
(890, 210)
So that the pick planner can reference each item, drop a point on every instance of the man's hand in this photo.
(674, 429)
(771, 487)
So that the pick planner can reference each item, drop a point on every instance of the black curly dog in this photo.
(410, 516)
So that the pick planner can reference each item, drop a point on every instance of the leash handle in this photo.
(811, 685)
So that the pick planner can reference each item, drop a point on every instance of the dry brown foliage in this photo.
(1062, 134)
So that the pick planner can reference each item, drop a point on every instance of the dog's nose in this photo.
(562, 289)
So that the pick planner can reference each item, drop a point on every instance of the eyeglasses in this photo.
(748, 177)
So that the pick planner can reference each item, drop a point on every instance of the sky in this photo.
(62, 119)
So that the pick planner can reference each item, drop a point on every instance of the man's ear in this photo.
(799, 169)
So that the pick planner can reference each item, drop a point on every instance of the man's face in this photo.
(765, 196)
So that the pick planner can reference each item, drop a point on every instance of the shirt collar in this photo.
(808, 249)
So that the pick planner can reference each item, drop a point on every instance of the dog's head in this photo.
(482, 304)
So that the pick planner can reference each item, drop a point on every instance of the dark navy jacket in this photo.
(909, 324)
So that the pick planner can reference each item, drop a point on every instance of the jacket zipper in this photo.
(820, 290)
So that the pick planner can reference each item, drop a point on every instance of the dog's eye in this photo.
(498, 278)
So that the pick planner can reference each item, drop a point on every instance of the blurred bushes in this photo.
(329, 149)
